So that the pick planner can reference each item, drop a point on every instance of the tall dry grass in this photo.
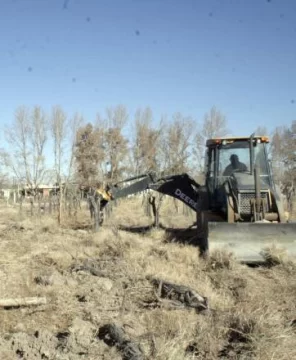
(91, 279)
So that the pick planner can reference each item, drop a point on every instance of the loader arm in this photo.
(181, 187)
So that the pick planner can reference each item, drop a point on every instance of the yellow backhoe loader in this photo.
(239, 207)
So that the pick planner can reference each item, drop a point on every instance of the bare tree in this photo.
(38, 138)
(283, 148)
(68, 195)
(117, 116)
(73, 124)
(146, 144)
(26, 138)
(115, 143)
(176, 144)
(101, 126)
(58, 132)
(277, 147)
(4, 180)
(16, 159)
(262, 131)
(88, 154)
(214, 125)
(284, 152)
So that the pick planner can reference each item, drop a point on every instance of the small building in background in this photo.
(42, 189)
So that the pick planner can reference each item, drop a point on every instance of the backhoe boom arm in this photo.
(181, 187)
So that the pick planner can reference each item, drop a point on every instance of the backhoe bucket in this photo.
(248, 241)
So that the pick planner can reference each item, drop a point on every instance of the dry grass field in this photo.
(93, 279)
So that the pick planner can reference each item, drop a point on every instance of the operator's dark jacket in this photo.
(238, 166)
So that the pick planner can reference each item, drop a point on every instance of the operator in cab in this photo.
(235, 165)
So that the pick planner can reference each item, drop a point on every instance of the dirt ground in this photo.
(93, 279)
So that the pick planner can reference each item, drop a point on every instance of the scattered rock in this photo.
(82, 232)
(104, 283)
(19, 327)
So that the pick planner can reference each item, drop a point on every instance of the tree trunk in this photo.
(94, 213)
(60, 209)
(39, 205)
(203, 233)
(32, 205)
(155, 209)
(50, 205)
(21, 204)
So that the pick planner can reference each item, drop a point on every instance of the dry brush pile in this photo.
(122, 295)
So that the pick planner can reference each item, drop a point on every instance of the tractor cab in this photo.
(231, 166)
